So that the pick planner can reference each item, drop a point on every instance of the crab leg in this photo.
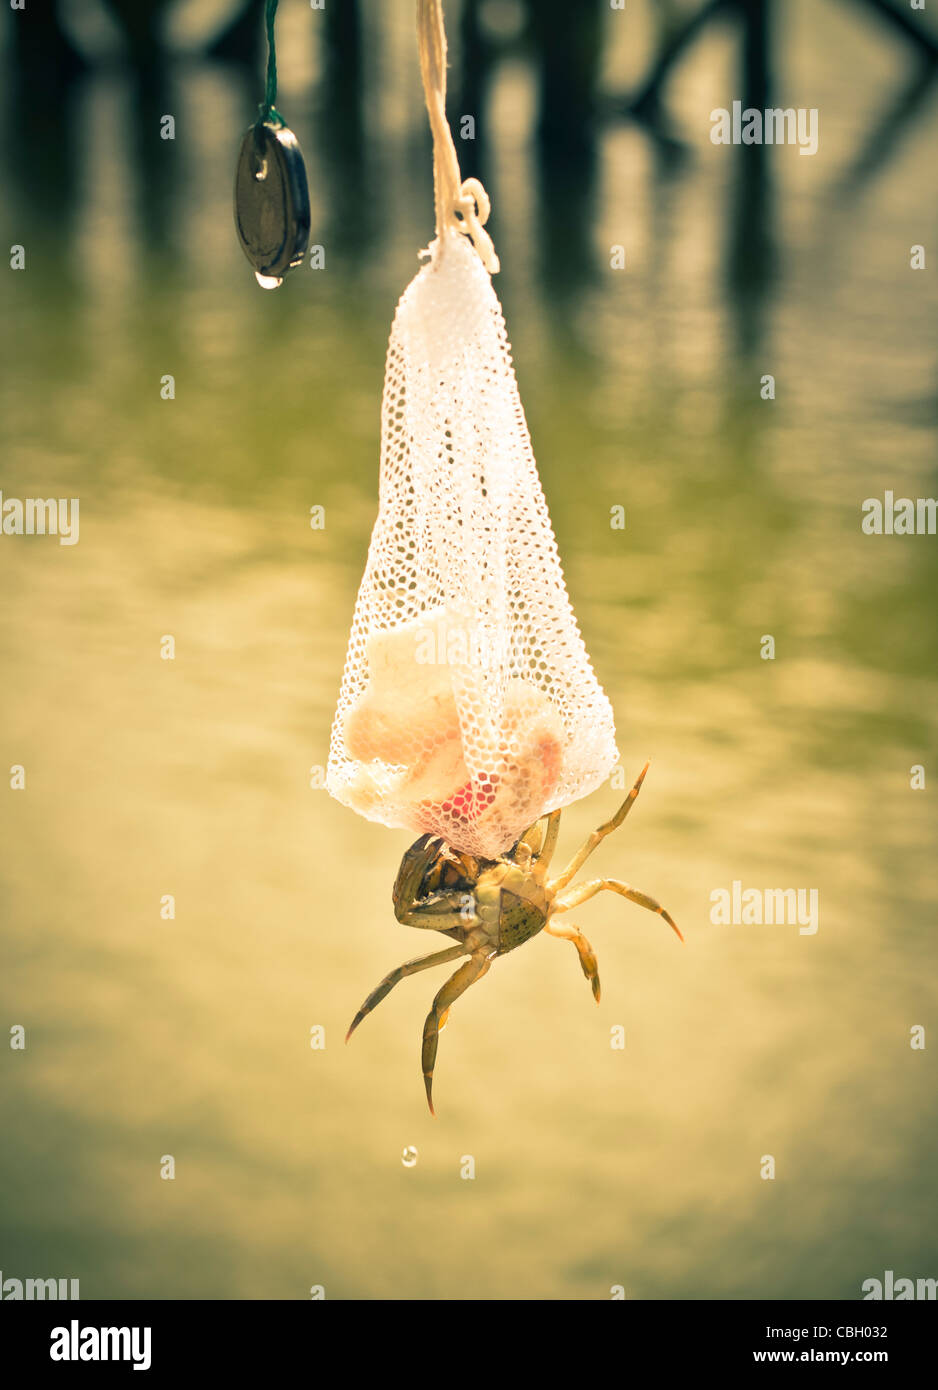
(410, 967)
(435, 913)
(550, 841)
(574, 896)
(467, 974)
(585, 850)
(585, 951)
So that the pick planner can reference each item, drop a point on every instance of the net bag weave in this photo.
(468, 705)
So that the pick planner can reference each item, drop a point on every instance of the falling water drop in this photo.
(268, 282)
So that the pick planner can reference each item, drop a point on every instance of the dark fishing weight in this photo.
(271, 194)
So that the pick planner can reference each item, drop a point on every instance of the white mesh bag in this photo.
(468, 705)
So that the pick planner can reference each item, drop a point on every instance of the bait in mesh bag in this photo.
(468, 706)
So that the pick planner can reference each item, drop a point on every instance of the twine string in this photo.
(268, 110)
(459, 204)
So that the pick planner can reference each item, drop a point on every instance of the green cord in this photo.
(268, 110)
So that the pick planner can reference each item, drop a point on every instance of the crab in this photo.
(492, 906)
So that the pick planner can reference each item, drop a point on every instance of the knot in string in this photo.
(460, 204)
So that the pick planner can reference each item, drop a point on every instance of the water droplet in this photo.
(268, 282)
(409, 1156)
(260, 173)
